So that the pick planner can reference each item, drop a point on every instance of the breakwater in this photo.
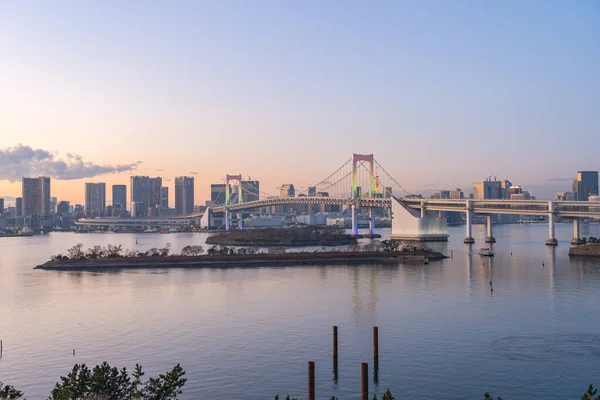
(255, 260)
(588, 250)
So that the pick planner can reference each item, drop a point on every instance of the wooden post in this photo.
(375, 342)
(335, 342)
(0, 346)
(364, 369)
(311, 380)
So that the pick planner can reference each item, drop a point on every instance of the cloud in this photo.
(19, 161)
(192, 172)
(560, 179)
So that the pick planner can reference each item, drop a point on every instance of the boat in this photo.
(150, 230)
(486, 252)
(164, 231)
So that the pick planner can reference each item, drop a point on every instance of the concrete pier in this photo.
(469, 237)
(490, 237)
(577, 232)
(551, 236)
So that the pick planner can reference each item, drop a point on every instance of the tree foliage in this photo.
(9, 392)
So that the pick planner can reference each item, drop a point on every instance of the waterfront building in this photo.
(53, 202)
(164, 197)
(155, 186)
(312, 191)
(95, 199)
(566, 196)
(63, 208)
(250, 190)
(487, 190)
(1, 206)
(119, 196)
(287, 190)
(184, 195)
(388, 192)
(585, 185)
(457, 194)
(36, 196)
(217, 193)
(140, 195)
(19, 207)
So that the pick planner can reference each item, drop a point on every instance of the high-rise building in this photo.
(154, 196)
(287, 190)
(457, 194)
(164, 197)
(140, 195)
(119, 197)
(36, 196)
(388, 192)
(585, 185)
(1, 206)
(250, 190)
(53, 202)
(487, 190)
(217, 193)
(19, 207)
(95, 199)
(184, 195)
(63, 208)
(312, 191)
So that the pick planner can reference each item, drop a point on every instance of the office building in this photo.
(19, 207)
(53, 202)
(154, 196)
(95, 199)
(184, 195)
(164, 197)
(457, 194)
(63, 208)
(1, 206)
(119, 197)
(487, 190)
(287, 190)
(312, 191)
(250, 191)
(565, 196)
(36, 196)
(585, 185)
(388, 192)
(217, 193)
(140, 195)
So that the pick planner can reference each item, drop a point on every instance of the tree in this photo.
(108, 383)
(94, 252)
(590, 393)
(9, 392)
(164, 252)
(212, 251)
(76, 252)
(114, 251)
(487, 396)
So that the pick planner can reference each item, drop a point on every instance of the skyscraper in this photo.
(19, 207)
(36, 196)
(164, 197)
(63, 208)
(217, 193)
(53, 202)
(1, 206)
(250, 191)
(95, 199)
(585, 185)
(184, 195)
(119, 196)
(312, 191)
(154, 195)
(140, 195)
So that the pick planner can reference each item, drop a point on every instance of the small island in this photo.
(589, 247)
(98, 258)
(267, 237)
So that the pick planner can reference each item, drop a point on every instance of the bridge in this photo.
(343, 188)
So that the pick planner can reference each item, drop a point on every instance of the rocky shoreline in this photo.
(232, 261)
(587, 250)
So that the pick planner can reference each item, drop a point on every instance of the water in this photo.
(248, 333)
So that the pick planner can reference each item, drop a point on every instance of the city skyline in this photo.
(471, 88)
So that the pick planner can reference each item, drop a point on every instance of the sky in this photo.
(443, 93)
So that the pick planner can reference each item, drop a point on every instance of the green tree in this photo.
(590, 393)
(487, 396)
(9, 392)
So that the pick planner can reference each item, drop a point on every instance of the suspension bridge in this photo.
(362, 184)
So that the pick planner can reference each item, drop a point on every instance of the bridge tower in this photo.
(356, 159)
(238, 179)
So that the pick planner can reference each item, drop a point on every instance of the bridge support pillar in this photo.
(372, 220)
(469, 238)
(354, 220)
(241, 221)
(551, 239)
(490, 237)
(577, 232)
(423, 210)
(227, 219)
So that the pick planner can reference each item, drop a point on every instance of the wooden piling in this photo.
(311, 380)
(375, 342)
(0, 346)
(364, 369)
(335, 342)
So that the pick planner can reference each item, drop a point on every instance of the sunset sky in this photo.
(444, 93)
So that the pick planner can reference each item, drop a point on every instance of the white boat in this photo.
(151, 230)
(485, 251)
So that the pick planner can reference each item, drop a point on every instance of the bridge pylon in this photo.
(235, 178)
